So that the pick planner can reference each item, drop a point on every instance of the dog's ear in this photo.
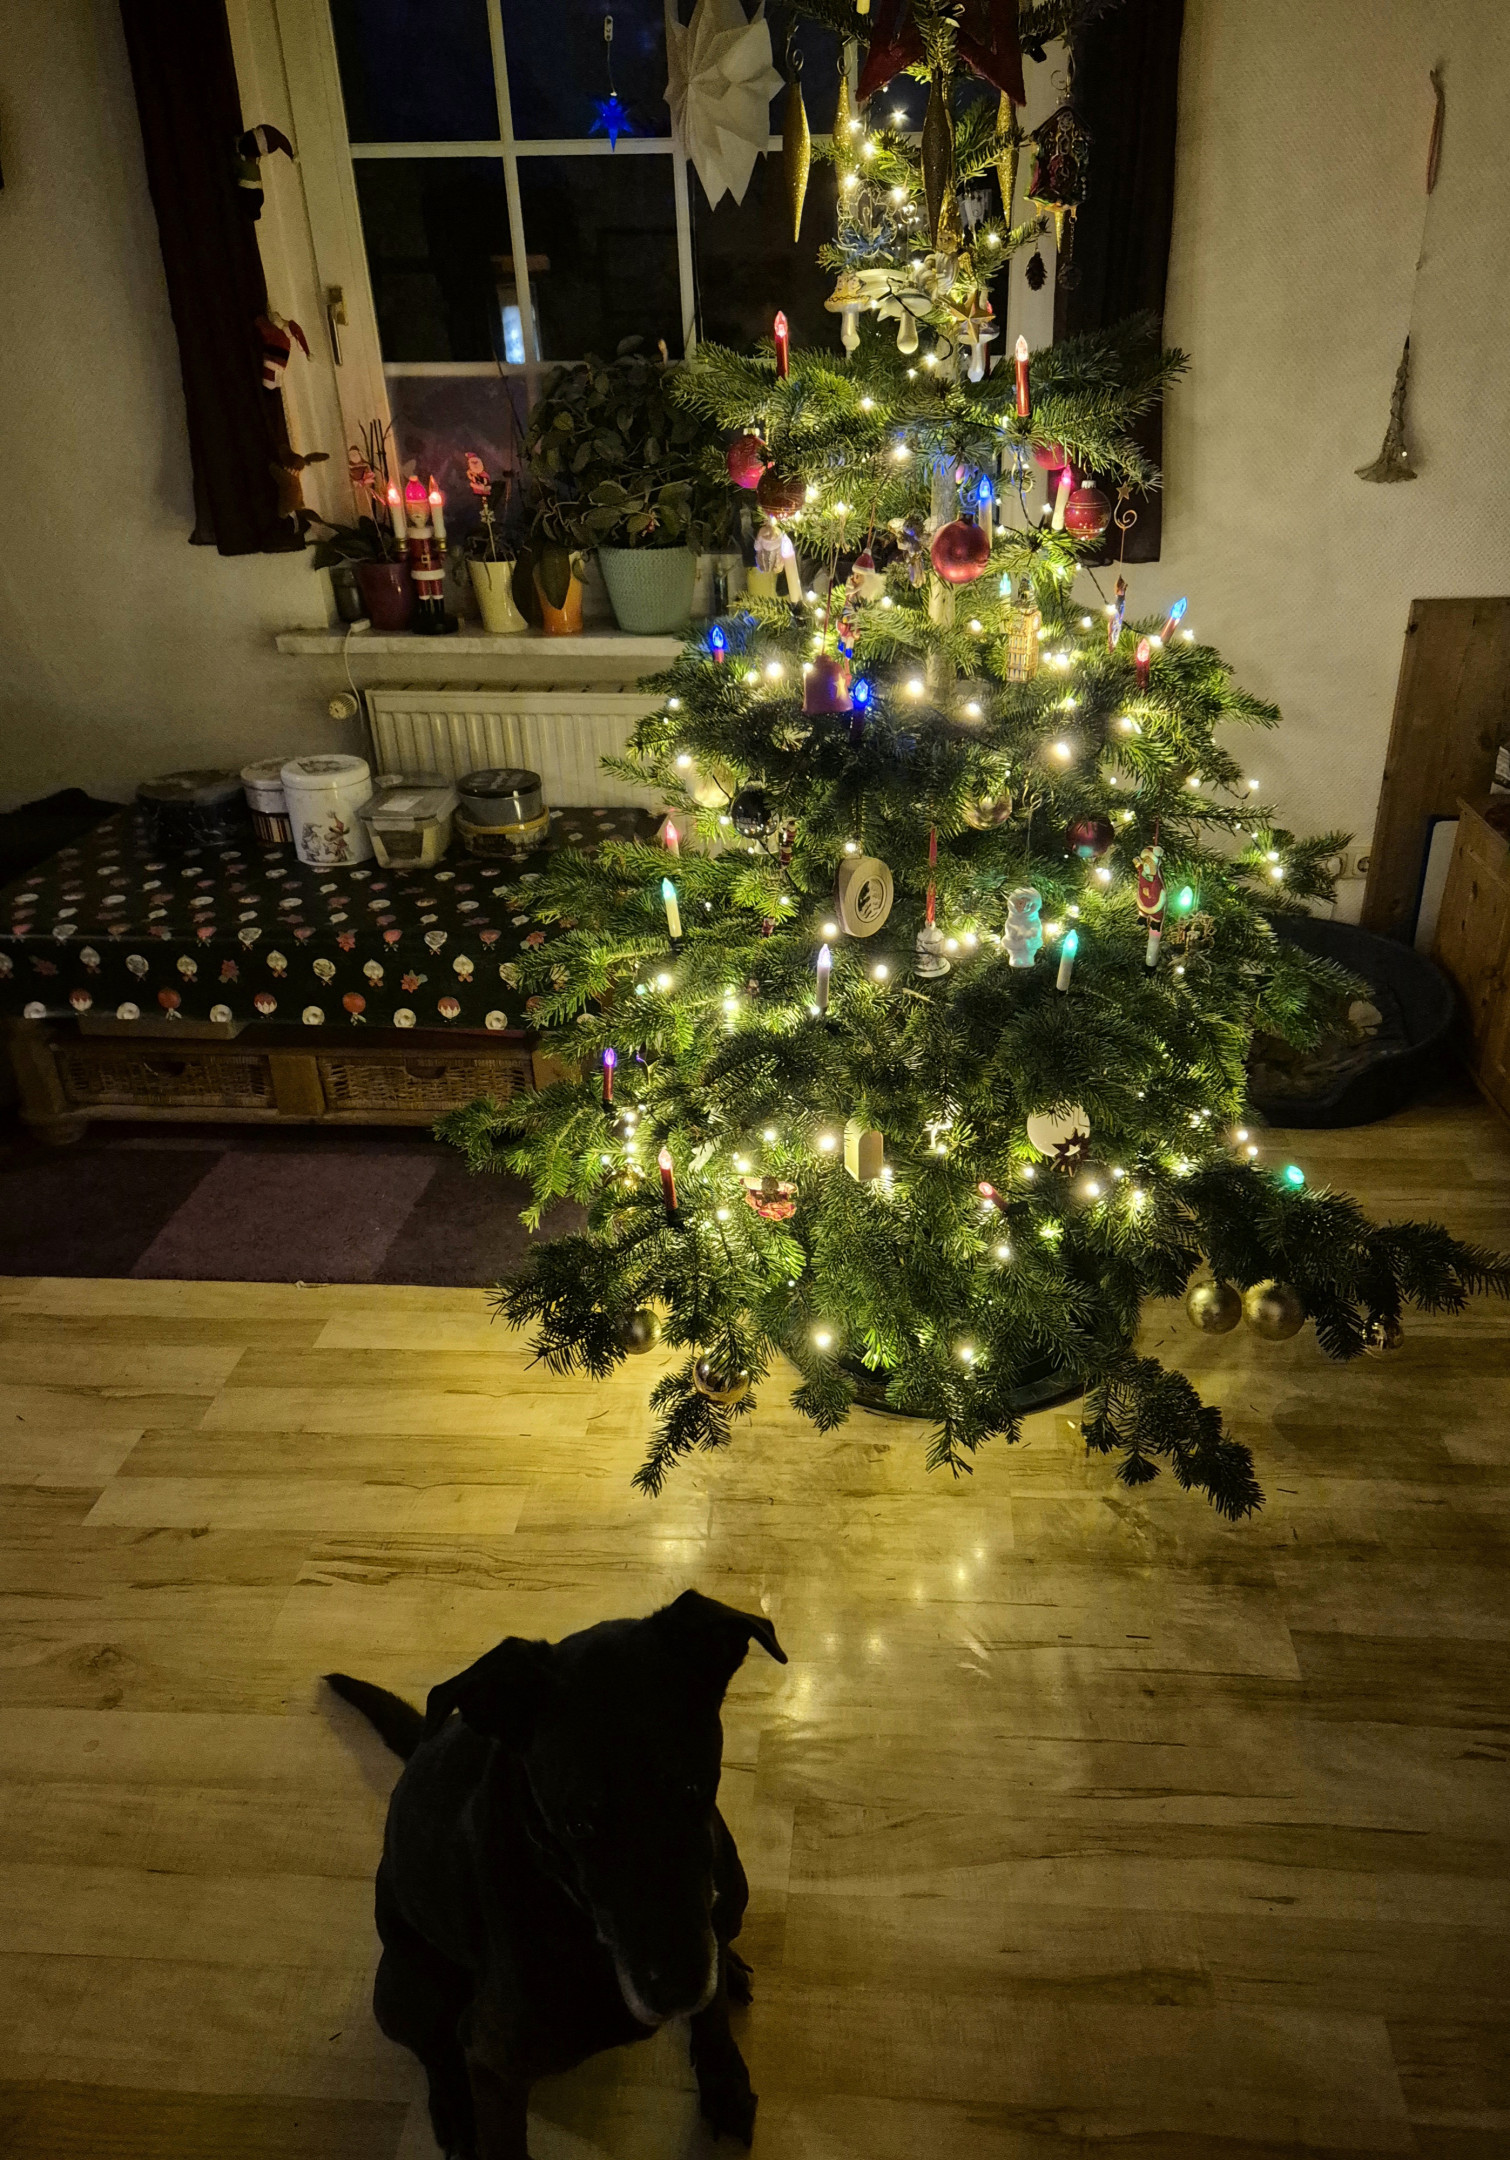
(714, 1637)
(502, 1695)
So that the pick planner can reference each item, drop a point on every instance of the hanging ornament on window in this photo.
(796, 143)
(746, 460)
(1024, 621)
(1023, 936)
(1063, 1135)
(611, 116)
(1057, 181)
(721, 83)
(862, 895)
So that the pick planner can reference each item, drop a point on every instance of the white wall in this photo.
(1303, 134)
(124, 651)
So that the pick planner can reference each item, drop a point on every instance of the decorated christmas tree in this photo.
(913, 1057)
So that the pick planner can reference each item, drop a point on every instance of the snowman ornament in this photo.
(1023, 935)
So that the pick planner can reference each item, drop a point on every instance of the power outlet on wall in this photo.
(1348, 863)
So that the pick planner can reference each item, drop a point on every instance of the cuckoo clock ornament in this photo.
(1057, 182)
(960, 551)
(746, 461)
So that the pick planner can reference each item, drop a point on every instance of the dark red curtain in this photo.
(190, 110)
(1127, 73)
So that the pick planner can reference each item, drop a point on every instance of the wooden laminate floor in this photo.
(1080, 1823)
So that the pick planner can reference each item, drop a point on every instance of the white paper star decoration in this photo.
(720, 91)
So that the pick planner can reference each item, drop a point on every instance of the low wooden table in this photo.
(237, 983)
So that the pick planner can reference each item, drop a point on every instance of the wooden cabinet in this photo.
(1473, 946)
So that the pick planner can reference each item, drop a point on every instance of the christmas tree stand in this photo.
(1044, 1386)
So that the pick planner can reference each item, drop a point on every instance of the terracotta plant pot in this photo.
(493, 583)
(561, 621)
(388, 591)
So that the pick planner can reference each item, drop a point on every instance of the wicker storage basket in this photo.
(404, 1081)
(164, 1080)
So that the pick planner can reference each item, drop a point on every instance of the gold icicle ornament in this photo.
(844, 114)
(938, 164)
(1008, 124)
(796, 146)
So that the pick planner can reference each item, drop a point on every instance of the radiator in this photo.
(560, 733)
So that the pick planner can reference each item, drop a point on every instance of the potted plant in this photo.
(615, 467)
(491, 561)
(370, 548)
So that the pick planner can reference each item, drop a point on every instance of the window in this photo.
(499, 231)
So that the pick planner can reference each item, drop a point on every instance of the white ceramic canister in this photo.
(268, 803)
(326, 794)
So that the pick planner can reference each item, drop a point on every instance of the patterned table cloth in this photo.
(249, 933)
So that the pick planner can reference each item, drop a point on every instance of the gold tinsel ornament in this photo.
(1008, 124)
(796, 145)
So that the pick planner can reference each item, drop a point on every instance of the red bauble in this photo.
(1088, 512)
(746, 456)
(1053, 456)
(825, 687)
(960, 551)
(779, 494)
(1089, 837)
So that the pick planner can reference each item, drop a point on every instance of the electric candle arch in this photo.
(871, 960)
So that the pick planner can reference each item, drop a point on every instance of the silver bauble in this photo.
(1215, 1307)
(1273, 1310)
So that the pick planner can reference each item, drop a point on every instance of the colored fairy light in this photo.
(1185, 898)
(610, 1060)
(1173, 620)
(1294, 1175)
(718, 644)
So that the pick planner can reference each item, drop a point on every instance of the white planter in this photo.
(326, 796)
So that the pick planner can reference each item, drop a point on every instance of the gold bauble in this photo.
(987, 811)
(719, 1387)
(1274, 1311)
(639, 1332)
(1215, 1307)
(1383, 1335)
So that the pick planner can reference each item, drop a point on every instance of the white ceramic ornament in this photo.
(863, 895)
(1063, 1135)
(1024, 932)
(928, 959)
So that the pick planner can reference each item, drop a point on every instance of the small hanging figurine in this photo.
(1024, 622)
(1023, 935)
(251, 149)
(796, 143)
(1148, 863)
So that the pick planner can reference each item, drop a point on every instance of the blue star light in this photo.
(612, 119)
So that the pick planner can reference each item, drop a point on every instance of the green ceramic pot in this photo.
(651, 588)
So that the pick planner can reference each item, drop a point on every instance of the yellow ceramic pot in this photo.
(493, 583)
(562, 621)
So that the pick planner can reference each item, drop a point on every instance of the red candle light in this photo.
(610, 1059)
(1142, 659)
(933, 856)
(783, 345)
(1020, 358)
(668, 1182)
(671, 839)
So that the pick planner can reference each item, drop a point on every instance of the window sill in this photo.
(480, 644)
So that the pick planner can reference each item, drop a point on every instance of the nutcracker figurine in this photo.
(424, 518)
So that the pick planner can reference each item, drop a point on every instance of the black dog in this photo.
(556, 1877)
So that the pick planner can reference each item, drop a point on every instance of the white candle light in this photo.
(1067, 952)
(396, 512)
(673, 912)
(825, 966)
(1066, 483)
(437, 511)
